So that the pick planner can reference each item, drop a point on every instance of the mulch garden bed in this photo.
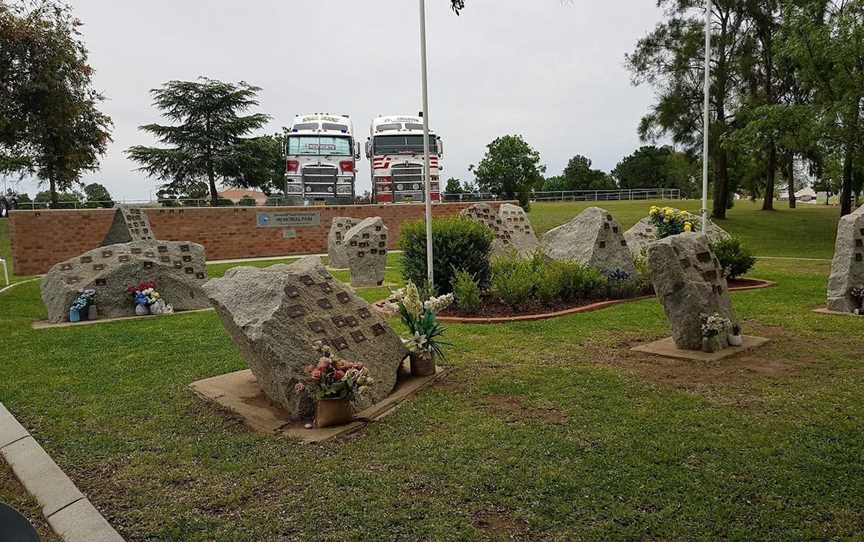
(492, 312)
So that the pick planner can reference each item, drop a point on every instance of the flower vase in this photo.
(74, 315)
(142, 310)
(422, 364)
(735, 340)
(330, 412)
(711, 344)
(92, 312)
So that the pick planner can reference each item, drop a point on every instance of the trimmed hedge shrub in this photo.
(458, 244)
(516, 281)
(513, 281)
(734, 257)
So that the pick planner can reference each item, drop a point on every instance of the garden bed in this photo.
(496, 312)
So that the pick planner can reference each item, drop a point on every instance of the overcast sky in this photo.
(551, 71)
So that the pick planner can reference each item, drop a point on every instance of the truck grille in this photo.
(319, 179)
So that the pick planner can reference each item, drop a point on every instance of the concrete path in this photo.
(69, 513)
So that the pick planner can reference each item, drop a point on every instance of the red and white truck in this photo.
(395, 151)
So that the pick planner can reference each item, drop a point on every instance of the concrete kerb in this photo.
(71, 515)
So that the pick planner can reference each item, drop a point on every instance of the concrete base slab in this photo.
(824, 310)
(240, 394)
(666, 348)
(81, 522)
(45, 324)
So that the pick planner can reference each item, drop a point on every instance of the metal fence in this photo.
(571, 195)
(581, 195)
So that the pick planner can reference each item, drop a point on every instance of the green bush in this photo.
(458, 244)
(513, 281)
(466, 290)
(578, 281)
(734, 257)
(247, 201)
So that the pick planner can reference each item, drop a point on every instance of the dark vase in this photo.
(422, 364)
(330, 412)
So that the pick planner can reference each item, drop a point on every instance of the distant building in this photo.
(805, 195)
(237, 195)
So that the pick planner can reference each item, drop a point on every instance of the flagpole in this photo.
(427, 176)
(706, 116)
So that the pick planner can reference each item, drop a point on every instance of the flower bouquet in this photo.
(713, 326)
(334, 382)
(670, 221)
(421, 319)
(147, 300)
(80, 308)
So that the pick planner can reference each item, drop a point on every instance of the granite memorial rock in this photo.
(592, 238)
(366, 252)
(522, 236)
(847, 267)
(130, 224)
(178, 269)
(276, 314)
(483, 213)
(689, 283)
(335, 246)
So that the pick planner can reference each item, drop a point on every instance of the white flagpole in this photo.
(706, 116)
(426, 167)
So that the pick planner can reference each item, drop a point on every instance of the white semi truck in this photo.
(395, 151)
(321, 160)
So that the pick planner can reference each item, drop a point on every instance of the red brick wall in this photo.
(42, 238)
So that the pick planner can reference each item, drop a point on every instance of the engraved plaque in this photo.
(149, 265)
(188, 270)
(187, 258)
(358, 336)
(343, 297)
(324, 303)
(184, 248)
(200, 275)
(107, 253)
(339, 321)
(326, 288)
(340, 343)
(378, 330)
(66, 267)
(364, 313)
(307, 280)
(165, 259)
(296, 311)
(101, 282)
(98, 267)
(135, 250)
(162, 248)
(292, 292)
(316, 326)
(86, 259)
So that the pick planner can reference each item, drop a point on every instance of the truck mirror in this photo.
(368, 148)
(440, 147)
(356, 150)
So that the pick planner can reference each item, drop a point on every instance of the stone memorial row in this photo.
(335, 241)
(366, 252)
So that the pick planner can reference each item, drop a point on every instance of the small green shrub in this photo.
(734, 257)
(513, 281)
(247, 201)
(466, 290)
(578, 281)
(459, 244)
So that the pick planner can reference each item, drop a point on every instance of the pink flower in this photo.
(299, 388)
(339, 375)
(316, 374)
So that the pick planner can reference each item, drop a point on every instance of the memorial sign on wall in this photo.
(288, 220)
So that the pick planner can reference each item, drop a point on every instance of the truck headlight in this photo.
(295, 189)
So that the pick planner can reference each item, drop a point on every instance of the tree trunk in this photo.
(790, 171)
(55, 198)
(721, 185)
(770, 178)
(846, 190)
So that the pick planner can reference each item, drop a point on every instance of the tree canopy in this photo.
(50, 124)
(510, 169)
(206, 141)
(657, 167)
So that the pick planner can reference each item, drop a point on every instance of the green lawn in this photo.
(807, 231)
(549, 430)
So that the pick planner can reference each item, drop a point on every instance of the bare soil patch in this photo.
(501, 524)
(514, 410)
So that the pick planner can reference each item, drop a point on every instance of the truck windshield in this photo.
(319, 146)
(404, 144)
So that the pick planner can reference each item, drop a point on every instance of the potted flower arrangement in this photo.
(421, 319)
(80, 308)
(857, 294)
(334, 383)
(670, 221)
(147, 300)
(735, 338)
(712, 327)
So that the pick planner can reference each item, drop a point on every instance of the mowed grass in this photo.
(549, 430)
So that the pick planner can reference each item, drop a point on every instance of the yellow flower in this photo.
(688, 227)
